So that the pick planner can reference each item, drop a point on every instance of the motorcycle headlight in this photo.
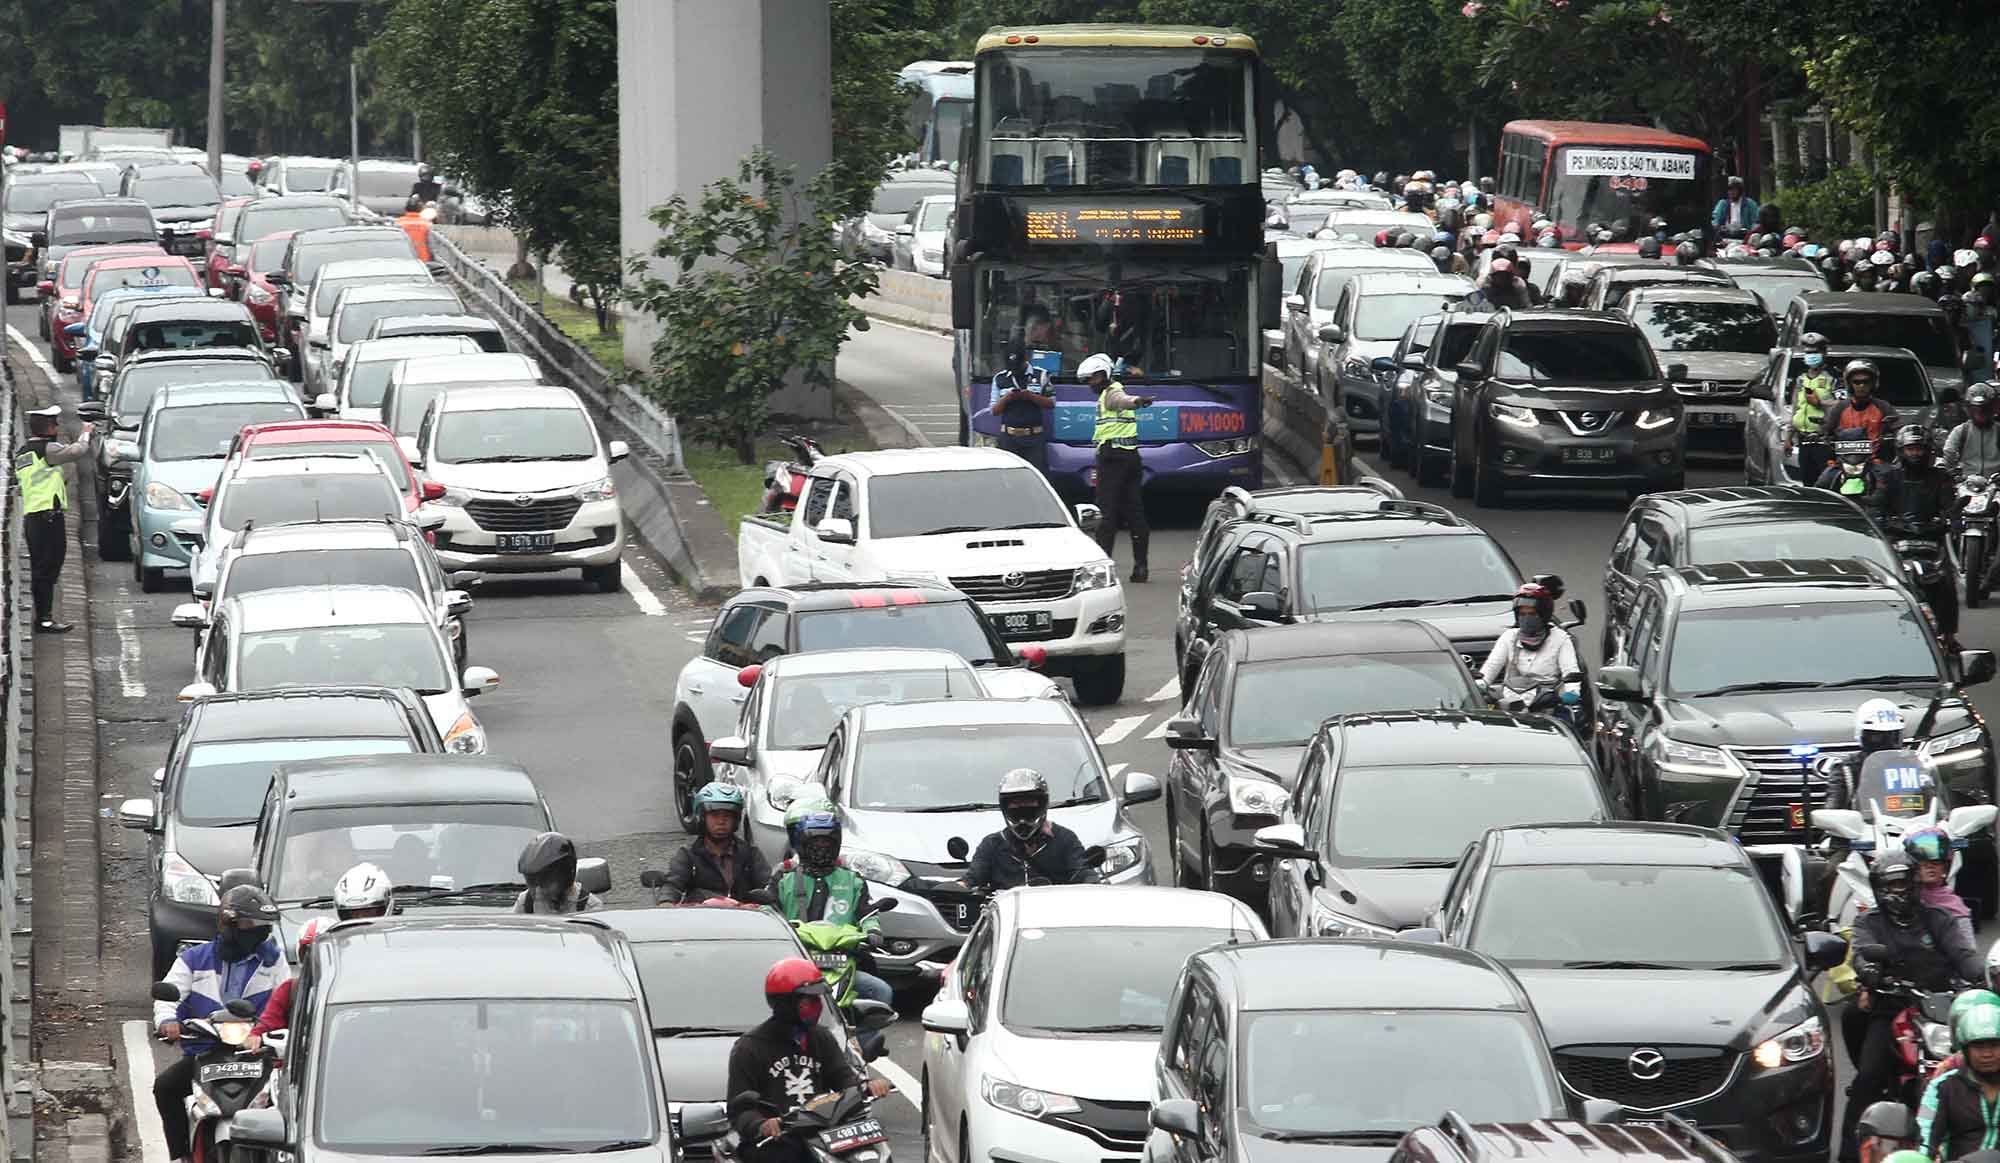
(1121, 856)
(875, 866)
(1690, 758)
(1025, 1100)
(1653, 419)
(1978, 504)
(1805, 1041)
(465, 737)
(1099, 575)
(1332, 924)
(602, 490)
(183, 882)
(232, 1033)
(1513, 414)
(160, 496)
(1256, 797)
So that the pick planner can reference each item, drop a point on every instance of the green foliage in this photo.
(872, 39)
(757, 292)
(1839, 205)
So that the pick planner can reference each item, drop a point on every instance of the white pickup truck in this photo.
(977, 519)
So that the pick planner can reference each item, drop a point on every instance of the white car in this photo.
(527, 483)
(357, 392)
(341, 636)
(1043, 1036)
(925, 232)
(357, 309)
(327, 284)
(416, 381)
(284, 489)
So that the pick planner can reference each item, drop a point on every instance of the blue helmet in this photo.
(716, 795)
(817, 840)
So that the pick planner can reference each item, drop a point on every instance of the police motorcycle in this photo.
(227, 1077)
(1895, 795)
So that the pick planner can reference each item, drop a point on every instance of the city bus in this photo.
(940, 105)
(1583, 175)
(1110, 200)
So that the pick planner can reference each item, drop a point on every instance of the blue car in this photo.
(182, 444)
(92, 332)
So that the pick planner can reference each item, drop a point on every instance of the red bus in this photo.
(1583, 174)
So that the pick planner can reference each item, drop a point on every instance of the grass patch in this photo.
(736, 490)
(580, 324)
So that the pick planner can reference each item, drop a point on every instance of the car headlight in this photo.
(1691, 758)
(465, 737)
(783, 792)
(1358, 369)
(1513, 414)
(258, 296)
(875, 866)
(1098, 575)
(1332, 924)
(1653, 419)
(183, 883)
(1256, 797)
(602, 490)
(456, 498)
(1121, 856)
(1025, 1100)
(1957, 747)
(1807, 1040)
(159, 496)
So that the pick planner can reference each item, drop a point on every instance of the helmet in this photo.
(247, 903)
(1914, 436)
(1888, 1120)
(1024, 801)
(1975, 1023)
(1983, 279)
(1881, 258)
(1441, 255)
(1980, 395)
(1548, 240)
(817, 839)
(1911, 1155)
(717, 796)
(414, 203)
(1878, 725)
(549, 861)
(363, 891)
(1813, 341)
(1923, 283)
(1533, 600)
(424, 172)
(310, 933)
(1928, 845)
(1649, 247)
(231, 877)
(1687, 254)
(789, 983)
(1860, 367)
(1974, 997)
(1501, 266)
(1093, 364)
(1894, 878)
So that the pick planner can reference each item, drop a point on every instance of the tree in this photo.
(758, 292)
(872, 39)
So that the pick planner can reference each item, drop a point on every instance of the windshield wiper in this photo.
(1619, 965)
(975, 807)
(1031, 525)
(503, 458)
(947, 529)
(1115, 1028)
(1390, 1137)
(1405, 603)
(1080, 801)
(692, 1031)
(1881, 680)
(1745, 967)
(1441, 862)
(565, 456)
(499, 1149)
(617, 1145)
(1776, 684)
(426, 895)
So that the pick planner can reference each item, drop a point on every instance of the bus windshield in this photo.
(1091, 116)
(1591, 185)
(1191, 323)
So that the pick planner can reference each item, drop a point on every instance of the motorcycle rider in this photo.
(548, 868)
(1885, 1128)
(815, 884)
(1030, 847)
(1862, 409)
(426, 186)
(1931, 849)
(1878, 726)
(1915, 501)
(242, 962)
(786, 1061)
(1960, 1110)
(1500, 288)
(716, 863)
(362, 891)
(1973, 448)
(1812, 393)
(1534, 649)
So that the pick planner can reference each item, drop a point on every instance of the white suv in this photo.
(527, 483)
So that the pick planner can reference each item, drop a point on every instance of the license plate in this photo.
(1714, 419)
(1798, 816)
(1026, 624)
(524, 542)
(217, 1070)
(1589, 455)
(962, 915)
(855, 1134)
(827, 960)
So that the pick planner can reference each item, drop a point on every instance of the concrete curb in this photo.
(910, 299)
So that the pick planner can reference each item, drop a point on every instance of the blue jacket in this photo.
(206, 982)
(1746, 215)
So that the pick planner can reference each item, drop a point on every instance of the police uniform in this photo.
(44, 499)
(1120, 473)
(1023, 423)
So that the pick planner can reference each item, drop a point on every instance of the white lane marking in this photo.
(131, 680)
(1118, 729)
(1115, 768)
(35, 356)
(1171, 689)
(629, 581)
(1160, 731)
(139, 1071)
(911, 1090)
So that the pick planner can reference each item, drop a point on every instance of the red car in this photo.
(321, 437)
(218, 237)
(62, 296)
(250, 279)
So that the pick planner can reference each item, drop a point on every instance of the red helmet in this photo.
(792, 977)
(1537, 596)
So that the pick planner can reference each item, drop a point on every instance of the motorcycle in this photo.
(1523, 694)
(785, 481)
(1897, 797)
(1922, 1026)
(833, 1128)
(1978, 526)
(227, 1077)
(838, 949)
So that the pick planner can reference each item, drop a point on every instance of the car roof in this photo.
(1623, 842)
(1335, 638)
(229, 358)
(166, 169)
(395, 293)
(1439, 738)
(1407, 282)
(1102, 906)
(1868, 303)
(312, 536)
(294, 201)
(411, 325)
(469, 365)
(1566, 319)
(1730, 584)
(316, 607)
(962, 713)
(491, 954)
(1696, 293)
(808, 597)
(1754, 505)
(192, 307)
(1356, 973)
(1663, 273)
(476, 399)
(300, 713)
(863, 660)
(406, 779)
(203, 395)
(314, 464)
(109, 200)
(1292, 247)
(315, 428)
(1392, 518)
(655, 925)
(345, 232)
(1769, 266)
(399, 347)
(1363, 255)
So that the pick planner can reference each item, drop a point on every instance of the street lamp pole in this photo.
(353, 133)
(218, 26)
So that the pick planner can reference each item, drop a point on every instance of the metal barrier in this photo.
(17, 767)
(565, 361)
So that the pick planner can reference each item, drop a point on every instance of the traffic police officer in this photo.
(1119, 473)
(1021, 402)
(44, 497)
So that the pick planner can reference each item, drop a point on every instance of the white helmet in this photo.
(1094, 364)
(1881, 719)
(364, 889)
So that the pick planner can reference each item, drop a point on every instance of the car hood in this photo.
(650, 1154)
(185, 476)
(1781, 718)
(541, 476)
(214, 850)
(1091, 1066)
(980, 553)
(1585, 396)
(1279, 764)
(1395, 898)
(1367, 349)
(922, 836)
(1017, 682)
(1731, 366)
(1256, 1149)
(1475, 621)
(696, 1069)
(1678, 1007)
(179, 216)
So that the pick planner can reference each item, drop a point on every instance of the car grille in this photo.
(1121, 1126)
(1719, 391)
(1591, 423)
(539, 514)
(1775, 779)
(1030, 585)
(1685, 1074)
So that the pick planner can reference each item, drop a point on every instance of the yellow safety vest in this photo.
(42, 486)
(1116, 428)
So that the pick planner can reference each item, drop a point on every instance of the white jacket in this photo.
(1511, 659)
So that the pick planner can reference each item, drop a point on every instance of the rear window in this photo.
(899, 197)
(259, 221)
(309, 259)
(1901, 382)
(184, 335)
(1929, 336)
(385, 183)
(357, 318)
(35, 197)
(1696, 326)
(76, 226)
(310, 497)
(175, 274)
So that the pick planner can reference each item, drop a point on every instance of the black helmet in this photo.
(1024, 801)
(424, 172)
(414, 204)
(1887, 1120)
(1914, 436)
(1441, 255)
(1894, 879)
(1649, 247)
(1687, 254)
(549, 862)
(1017, 357)
(245, 906)
(231, 877)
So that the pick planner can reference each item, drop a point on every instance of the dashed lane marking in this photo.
(131, 684)
(911, 1090)
(1118, 729)
(649, 605)
(138, 1037)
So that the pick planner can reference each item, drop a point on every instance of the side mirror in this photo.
(124, 452)
(748, 676)
(874, 1015)
(463, 579)
(457, 603)
(1383, 363)
(73, 329)
(1089, 517)
(159, 776)
(1333, 333)
(1286, 839)
(957, 848)
(137, 813)
(1141, 788)
(1262, 605)
(1184, 734)
(652, 878)
(278, 278)
(260, 1126)
(432, 491)
(906, 231)
(1970, 818)
(90, 410)
(195, 690)
(1762, 390)
(1179, 1117)
(1677, 371)
(1975, 667)
(217, 293)
(1842, 822)
(1295, 302)
(1413, 361)
(1578, 613)
(705, 1120)
(190, 616)
(429, 518)
(325, 403)
(617, 450)
(836, 531)
(594, 874)
(946, 1015)
(87, 353)
(1824, 951)
(477, 680)
(1620, 684)
(731, 749)
(277, 1040)
(1469, 371)
(1603, 1110)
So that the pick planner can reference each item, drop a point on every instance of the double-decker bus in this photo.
(940, 105)
(1583, 175)
(1110, 201)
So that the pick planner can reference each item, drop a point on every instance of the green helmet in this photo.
(716, 794)
(1906, 1155)
(1970, 998)
(1977, 1023)
(812, 800)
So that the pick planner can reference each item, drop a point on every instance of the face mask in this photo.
(809, 1011)
(1982, 416)
(1814, 359)
(236, 944)
(1533, 628)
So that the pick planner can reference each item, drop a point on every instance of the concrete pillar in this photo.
(700, 84)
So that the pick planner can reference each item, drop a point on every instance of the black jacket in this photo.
(1913, 502)
(770, 1061)
(1004, 862)
(694, 875)
(1931, 951)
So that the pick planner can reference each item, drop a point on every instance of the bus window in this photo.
(1178, 323)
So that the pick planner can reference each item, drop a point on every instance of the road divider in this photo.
(911, 299)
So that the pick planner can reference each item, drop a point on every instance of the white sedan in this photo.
(1040, 1044)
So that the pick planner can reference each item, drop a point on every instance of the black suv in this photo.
(1379, 560)
(1360, 863)
(1731, 523)
(1735, 677)
(1416, 434)
(1457, 1140)
(1663, 975)
(1260, 698)
(1564, 399)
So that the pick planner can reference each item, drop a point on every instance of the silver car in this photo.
(1309, 306)
(908, 779)
(1355, 369)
